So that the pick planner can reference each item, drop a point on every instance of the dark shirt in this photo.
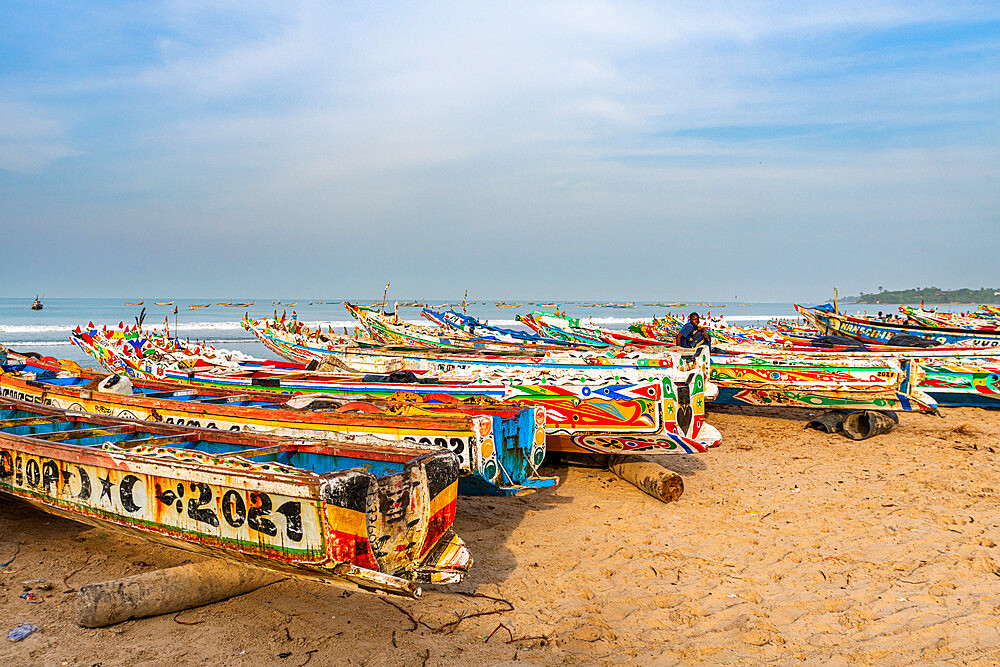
(691, 337)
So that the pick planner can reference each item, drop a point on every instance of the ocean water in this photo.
(47, 331)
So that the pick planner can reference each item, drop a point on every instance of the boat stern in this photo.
(447, 563)
(395, 532)
(509, 449)
(684, 407)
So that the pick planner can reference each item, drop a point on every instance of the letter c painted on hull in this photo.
(126, 493)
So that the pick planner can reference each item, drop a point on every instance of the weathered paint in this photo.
(378, 530)
(882, 332)
(878, 384)
(625, 401)
(466, 433)
(962, 384)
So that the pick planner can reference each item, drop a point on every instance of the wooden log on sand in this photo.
(648, 475)
(164, 591)
(864, 424)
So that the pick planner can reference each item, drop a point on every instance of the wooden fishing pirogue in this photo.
(500, 447)
(369, 517)
(878, 384)
(870, 384)
(752, 370)
(778, 377)
(597, 401)
(618, 407)
(828, 320)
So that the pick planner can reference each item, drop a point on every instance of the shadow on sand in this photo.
(791, 414)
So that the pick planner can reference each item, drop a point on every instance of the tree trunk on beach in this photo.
(164, 591)
(649, 475)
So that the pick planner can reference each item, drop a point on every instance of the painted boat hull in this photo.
(241, 498)
(949, 377)
(881, 333)
(962, 385)
(510, 469)
(873, 384)
(620, 409)
(822, 400)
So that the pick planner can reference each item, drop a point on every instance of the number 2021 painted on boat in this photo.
(250, 520)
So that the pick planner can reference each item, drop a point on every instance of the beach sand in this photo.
(787, 545)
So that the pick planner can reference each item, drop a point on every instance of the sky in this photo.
(764, 151)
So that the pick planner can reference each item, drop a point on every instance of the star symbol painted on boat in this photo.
(106, 487)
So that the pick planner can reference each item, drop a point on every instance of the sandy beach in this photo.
(787, 545)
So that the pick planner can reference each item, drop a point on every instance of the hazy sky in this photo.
(605, 150)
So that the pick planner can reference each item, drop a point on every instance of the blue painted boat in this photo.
(962, 383)
(830, 322)
(499, 447)
(474, 328)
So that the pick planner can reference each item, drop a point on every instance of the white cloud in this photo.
(557, 120)
(30, 139)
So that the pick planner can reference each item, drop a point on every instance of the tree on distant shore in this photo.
(932, 295)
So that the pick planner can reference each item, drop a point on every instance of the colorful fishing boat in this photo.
(599, 401)
(475, 330)
(380, 328)
(935, 319)
(962, 384)
(863, 384)
(625, 406)
(499, 447)
(828, 321)
(575, 330)
(752, 368)
(388, 329)
(360, 517)
(665, 329)
(37, 303)
(952, 377)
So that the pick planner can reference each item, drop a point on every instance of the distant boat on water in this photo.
(37, 304)
(135, 303)
(164, 303)
(199, 305)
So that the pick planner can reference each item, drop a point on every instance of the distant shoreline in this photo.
(932, 295)
(895, 302)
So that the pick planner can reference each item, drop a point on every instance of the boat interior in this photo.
(82, 430)
(329, 401)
